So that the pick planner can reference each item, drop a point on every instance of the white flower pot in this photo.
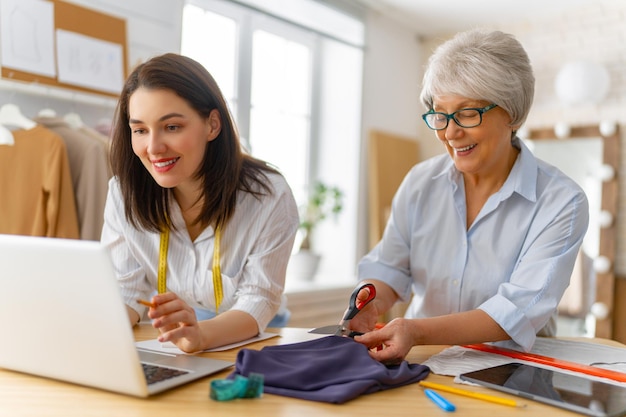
(303, 265)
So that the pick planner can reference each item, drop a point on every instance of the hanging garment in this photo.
(36, 194)
(104, 141)
(331, 369)
(90, 175)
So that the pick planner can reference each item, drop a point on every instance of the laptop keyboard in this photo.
(156, 373)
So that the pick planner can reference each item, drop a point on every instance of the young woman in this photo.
(483, 238)
(196, 227)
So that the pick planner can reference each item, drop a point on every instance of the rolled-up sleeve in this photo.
(514, 261)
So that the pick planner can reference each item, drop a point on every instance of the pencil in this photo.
(471, 394)
(146, 303)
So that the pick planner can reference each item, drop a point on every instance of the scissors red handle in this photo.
(356, 306)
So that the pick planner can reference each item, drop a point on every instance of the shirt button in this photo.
(455, 282)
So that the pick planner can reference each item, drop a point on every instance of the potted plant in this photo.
(323, 201)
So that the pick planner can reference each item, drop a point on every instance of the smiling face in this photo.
(484, 150)
(169, 136)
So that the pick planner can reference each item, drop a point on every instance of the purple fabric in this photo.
(331, 369)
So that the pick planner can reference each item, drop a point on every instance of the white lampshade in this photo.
(602, 264)
(599, 310)
(582, 82)
(562, 130)
(605, 172)
(608, 128)
(605, 219)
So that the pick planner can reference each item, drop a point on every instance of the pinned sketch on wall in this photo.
(26, 30)
(89, 62)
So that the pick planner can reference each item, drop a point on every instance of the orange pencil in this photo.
(146, 303)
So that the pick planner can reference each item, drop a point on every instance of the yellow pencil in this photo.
(471, 394)
(146, 303)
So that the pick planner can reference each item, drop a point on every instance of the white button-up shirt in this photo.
(254, 251)
(514, 262)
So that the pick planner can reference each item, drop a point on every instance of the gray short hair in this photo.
(482, 65)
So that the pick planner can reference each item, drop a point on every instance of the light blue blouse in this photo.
(515, 260)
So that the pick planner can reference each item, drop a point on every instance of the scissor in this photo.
(354, 307)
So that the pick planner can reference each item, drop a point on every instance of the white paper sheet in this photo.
(27, 35)
(456, 360)
(89, 62)
(156, 346)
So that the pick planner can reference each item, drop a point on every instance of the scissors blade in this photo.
(332, 329)
(354, 307)
(335, 330)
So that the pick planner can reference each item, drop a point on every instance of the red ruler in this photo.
(546, 360)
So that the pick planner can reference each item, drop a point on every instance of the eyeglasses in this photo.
(470, 117)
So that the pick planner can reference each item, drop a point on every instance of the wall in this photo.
(391, 82)
(596, 33)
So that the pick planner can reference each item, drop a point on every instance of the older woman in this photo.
(484, 238)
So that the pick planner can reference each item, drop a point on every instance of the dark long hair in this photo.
(224, 170)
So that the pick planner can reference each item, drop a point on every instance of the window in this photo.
(280, 104)
(294, 89)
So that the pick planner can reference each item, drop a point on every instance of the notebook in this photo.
(70, 322)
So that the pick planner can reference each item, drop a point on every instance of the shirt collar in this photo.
(522, 178)
(179, 222)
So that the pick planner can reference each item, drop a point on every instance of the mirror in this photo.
(590, 156)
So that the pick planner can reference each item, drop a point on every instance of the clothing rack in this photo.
(37, 89)
(59, 173)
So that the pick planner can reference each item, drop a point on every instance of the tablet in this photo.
(568, 391)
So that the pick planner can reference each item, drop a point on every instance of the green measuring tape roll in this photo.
(239, 387)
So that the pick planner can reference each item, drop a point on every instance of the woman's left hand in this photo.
(176, 321)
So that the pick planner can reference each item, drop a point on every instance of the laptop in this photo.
(69, 321)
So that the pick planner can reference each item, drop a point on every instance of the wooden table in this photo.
(25, 395)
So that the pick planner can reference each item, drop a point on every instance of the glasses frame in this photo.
(452, 116)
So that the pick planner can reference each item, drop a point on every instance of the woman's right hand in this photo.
(177, 322)
(366, 319)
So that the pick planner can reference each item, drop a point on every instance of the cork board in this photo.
(83, 21)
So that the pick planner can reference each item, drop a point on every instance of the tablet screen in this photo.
(560, 389)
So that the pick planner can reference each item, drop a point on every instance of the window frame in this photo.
(328, 159)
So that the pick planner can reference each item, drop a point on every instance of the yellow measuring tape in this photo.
(161, 283)
(218, 290)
